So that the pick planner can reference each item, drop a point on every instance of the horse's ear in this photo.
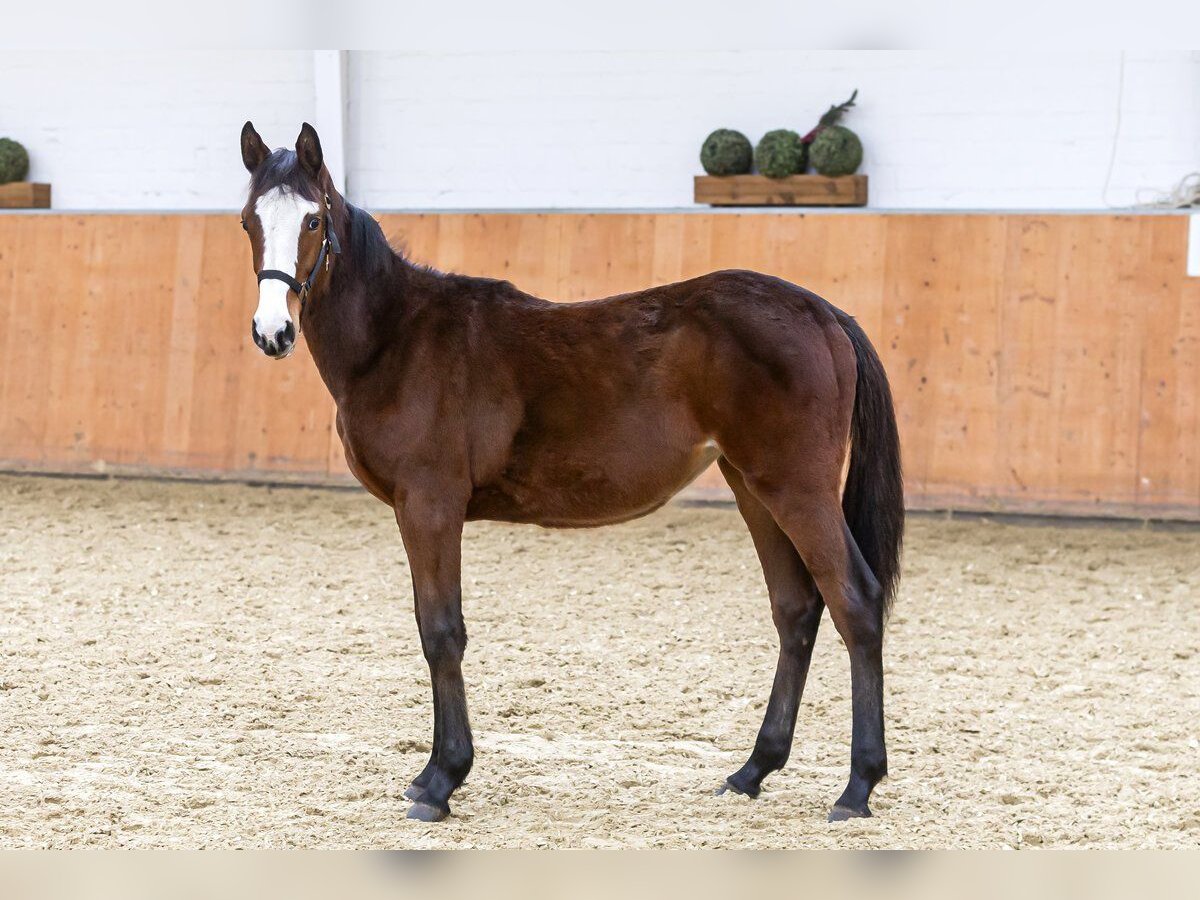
(308, 150)
(254, 151)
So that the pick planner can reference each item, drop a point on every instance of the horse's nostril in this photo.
(287, 334)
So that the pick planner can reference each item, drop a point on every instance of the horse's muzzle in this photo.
(278, 345)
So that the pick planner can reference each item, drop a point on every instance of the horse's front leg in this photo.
(431, 524)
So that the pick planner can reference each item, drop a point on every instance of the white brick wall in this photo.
(609, 129)
(149, 129)
(605, 128)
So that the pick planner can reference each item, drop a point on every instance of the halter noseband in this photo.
(329, 244)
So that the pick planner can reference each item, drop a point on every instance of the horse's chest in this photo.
(373, 478)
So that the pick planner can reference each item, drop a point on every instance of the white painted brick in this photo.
(148, 129)
(599, 129)
(158, 129)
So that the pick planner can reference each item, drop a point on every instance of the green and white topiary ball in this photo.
(726, 152)
(836, 151)
(781, 153)
(14, 161)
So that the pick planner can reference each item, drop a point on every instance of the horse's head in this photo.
(287, 216)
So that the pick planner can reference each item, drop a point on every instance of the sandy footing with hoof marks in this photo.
(203, 665)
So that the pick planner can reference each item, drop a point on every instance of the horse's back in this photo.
(621, 402)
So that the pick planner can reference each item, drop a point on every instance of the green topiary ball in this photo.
(781, 153)
(14, 161)
(726, 152)
(836, 151)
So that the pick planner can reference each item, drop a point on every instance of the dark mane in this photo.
(368, 249)
(366, 245)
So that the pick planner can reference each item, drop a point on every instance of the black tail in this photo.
(873, 502)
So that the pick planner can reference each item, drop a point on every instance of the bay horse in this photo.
(462, 398)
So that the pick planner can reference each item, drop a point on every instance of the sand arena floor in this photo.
(189, 665)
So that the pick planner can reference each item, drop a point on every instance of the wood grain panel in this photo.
(1040, 363)
(1026, 456)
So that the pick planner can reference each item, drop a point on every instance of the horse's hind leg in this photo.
(814, 522)
(796, 608)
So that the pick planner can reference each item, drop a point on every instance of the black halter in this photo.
(329, 244)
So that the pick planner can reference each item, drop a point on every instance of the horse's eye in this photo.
(313, 223)
(245, 227)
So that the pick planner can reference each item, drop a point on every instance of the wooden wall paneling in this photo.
(605, 255)
(489, 245)
(912, 312)
(667, 249)
(186, 302)
(1131, 301)
(72, 354)
(539, 250)
(797, 253)
(855, 254)
(696, 247)
(448, 251)
(1188, 401)
(226, 301)
(1026, 450)
(412, 234)
(282, 417)
(963, 349)
(149, 336)
(30, 326)
(1187, 405)
(8, 299)
(1079, 376)
(130, 282)
(1038, 362)
(1096, 458)
(735, 242)
(1164, 461)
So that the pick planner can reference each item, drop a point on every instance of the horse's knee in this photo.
(443, 637)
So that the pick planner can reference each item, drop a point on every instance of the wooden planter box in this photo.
(24, 195)
(795, 190)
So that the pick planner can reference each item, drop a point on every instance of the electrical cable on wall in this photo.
(1112, 156)
(1186, 193)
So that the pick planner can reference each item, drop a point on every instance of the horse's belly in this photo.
(600, 490)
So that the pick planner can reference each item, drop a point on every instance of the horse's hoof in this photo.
(427, 812)
(842, 813)
(414, 792)
(730, 785)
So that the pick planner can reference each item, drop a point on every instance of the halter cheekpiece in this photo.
(329, 244)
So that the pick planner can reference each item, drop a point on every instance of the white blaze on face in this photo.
(282, 215)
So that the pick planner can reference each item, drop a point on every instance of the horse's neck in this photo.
(351, 323)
